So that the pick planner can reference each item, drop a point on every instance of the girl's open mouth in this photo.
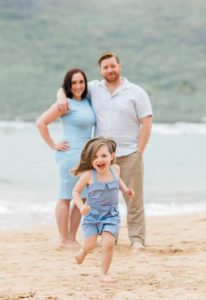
(101, 166)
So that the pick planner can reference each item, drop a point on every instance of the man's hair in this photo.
(89, 151)
(106, 55)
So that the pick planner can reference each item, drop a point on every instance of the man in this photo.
(123, 113)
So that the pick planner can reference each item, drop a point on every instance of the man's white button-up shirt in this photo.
(118, 114)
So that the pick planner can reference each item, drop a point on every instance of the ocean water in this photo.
(174, 180)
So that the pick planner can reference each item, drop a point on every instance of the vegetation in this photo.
(161, 44)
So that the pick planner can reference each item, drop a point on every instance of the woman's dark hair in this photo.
(67, 83)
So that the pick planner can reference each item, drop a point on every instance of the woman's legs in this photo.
(108, 241)
(68, 239)
(89, 244)
(62, 217)
(74, 220)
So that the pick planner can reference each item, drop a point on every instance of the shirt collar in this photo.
(124, 86)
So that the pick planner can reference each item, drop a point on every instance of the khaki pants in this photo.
(131, 171)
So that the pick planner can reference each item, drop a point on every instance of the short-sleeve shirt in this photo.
(118, 114)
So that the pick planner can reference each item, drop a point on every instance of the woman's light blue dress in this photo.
(104, 213)
(77, 128)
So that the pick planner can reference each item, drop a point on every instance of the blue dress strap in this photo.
(94, 175)
(113, 173)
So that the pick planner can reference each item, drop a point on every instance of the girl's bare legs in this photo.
(108, 241)
(89, 244)
(68, 238)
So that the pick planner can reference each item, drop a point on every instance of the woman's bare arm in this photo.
(42, 123)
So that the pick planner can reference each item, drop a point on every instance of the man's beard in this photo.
(114, 78)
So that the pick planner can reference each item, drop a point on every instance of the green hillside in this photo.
(161, 44)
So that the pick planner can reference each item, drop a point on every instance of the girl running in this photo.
(100, 214)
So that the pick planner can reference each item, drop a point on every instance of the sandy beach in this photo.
(172, 266)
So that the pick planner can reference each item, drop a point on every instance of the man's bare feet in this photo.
(80, 256)
(106, 278)
(70, 244)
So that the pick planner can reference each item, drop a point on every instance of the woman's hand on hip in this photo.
(62, 146)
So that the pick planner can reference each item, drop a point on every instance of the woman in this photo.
(77, 127)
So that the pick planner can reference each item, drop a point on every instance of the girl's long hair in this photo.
(89, 151)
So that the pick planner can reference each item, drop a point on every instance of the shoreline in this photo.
(172, 266)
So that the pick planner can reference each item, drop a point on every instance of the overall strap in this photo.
(94, 176)
(113, 173)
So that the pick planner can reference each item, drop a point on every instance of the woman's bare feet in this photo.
(80, 256)
(106, 278)
(70, 244)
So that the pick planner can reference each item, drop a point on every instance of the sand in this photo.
(172, 266)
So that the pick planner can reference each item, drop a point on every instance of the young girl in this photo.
(100, 215)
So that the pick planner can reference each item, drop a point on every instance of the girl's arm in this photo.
(122, 185)
(76, 194)
(46, 118)
(125, 189)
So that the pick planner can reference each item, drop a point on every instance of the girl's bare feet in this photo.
(106, 278)
(80, 256)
